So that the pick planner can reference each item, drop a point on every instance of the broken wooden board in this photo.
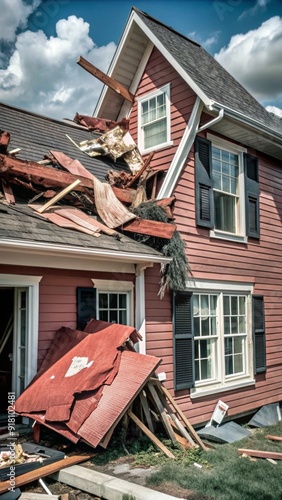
(8, 192)
(150, 435)
(68, 224)
(112, 212)
(274, 438)
(274, 455)
(150, 227)
(72, 166)
(58, 196)
(84, 220)
(44, 471)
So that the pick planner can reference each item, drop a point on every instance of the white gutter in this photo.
(51, 248)
(184, 148)
(215, 106)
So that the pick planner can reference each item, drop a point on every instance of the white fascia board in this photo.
(245, 119)
(55, 249)
(172, 61)
(182, 152)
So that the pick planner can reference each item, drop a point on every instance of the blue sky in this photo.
(40, 41)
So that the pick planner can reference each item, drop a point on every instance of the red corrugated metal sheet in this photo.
(90, 402)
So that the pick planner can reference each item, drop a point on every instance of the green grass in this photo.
(228, 475)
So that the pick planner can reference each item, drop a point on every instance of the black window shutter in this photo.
(183, 341)
(252, 196)
(203, 183)
(86, 306)
(259, 334)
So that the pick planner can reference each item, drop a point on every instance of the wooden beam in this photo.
(106, 79)
(58, 196)
(274, 438)
(191, 429)
(162, 412)
(44, 471)
(150, 435)
(150, 227)
(274, 455)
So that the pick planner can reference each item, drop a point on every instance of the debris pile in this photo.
(61, 190)
(82, 390)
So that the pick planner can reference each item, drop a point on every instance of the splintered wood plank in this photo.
(106, 79)
(151, 228)
(191, 429)
(126, 196)
(58, 196)
(146, 409)
(44, 471)
(67, 224)
(150, 435)
(162, 412)
(8, 192)
(72, 166)
(112, 212)
(261, 454)
(39, 174)
(84, 220)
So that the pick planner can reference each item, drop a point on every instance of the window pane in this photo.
(226, 305)
(226, 184)
(113, 300)
(122, 300)
(242, 324)
(113, 317)
(242, 303)
(213, 326)
(238, 345)
(197, 354)
(103, 300)
(196, 306)
(204, 305)
(197, 331)
(215, 152)
(234, 325)
(122, 317)
(226, 326)
(238, 363)
(228, 365)
(228, 346)
(155, 133)
(205, 326)
(225, 212)
(103, 315)
(213, 302)
(234, 306)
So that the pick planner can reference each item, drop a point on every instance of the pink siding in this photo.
(259, 261)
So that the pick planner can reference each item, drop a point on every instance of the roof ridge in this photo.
(165, 26)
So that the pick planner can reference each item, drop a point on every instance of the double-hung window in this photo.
(219, 338)
(154, 119)
(110, 301)
(227, 189)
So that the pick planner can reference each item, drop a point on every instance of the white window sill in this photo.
(156, 148)
(228, 236)
(200, 393)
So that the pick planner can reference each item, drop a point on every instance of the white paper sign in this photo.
(78, 363)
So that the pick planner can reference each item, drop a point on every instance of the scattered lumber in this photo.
(274, 438)
(261, 454)
(151, 228)
(44, 471)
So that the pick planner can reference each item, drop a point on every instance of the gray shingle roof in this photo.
(36, 135)
(21, 223)
(213, 80)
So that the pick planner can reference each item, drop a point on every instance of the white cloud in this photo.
(275, 110)
(14, 15)
(255, 60)
(259, 5)
(42, 74)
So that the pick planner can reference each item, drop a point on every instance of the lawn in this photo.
(224, 474)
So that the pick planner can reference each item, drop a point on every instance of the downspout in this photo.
(184, 148)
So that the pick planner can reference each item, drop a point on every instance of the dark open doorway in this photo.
(6, 345)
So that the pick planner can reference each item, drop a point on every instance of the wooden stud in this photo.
(274, 455)
(274, 438)
(58, 196)
(150, 435)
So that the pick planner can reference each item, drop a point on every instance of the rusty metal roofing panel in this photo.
(134, 371)
(91, 363)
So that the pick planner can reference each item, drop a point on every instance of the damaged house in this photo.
(174, 130)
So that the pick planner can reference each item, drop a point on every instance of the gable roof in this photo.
(36, 135)
(216, 88)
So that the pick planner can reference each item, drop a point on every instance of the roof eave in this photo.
(51, 249)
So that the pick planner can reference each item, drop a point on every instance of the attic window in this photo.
(154, 119)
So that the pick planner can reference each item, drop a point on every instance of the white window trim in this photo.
(117, 286)
(239, 150)
(163, 90)
(212, 387)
